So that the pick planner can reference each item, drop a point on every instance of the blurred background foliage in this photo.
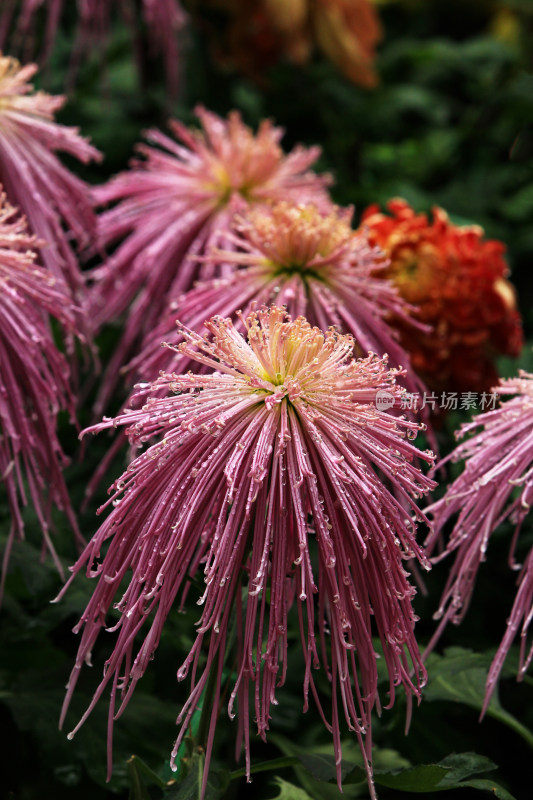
(450, 123)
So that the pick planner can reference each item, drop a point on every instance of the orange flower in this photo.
(456, 280)
(254, 35)
(347, 32)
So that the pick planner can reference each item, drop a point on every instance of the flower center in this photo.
(13, 81)
(291, 354)
(244, 163)
(298, 239)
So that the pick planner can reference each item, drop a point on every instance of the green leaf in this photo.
(138, 790)
(137, 765)
(265, 766)
(322, 767)
(190, 788)
(448, 774)
(288, 791)
(459, 676)
(463, 765)
(489, 786)
(453, 772)
(423, 778)
(311, 762)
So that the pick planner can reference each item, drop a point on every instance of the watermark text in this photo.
(443, 401)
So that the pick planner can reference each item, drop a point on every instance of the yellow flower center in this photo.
(298, 239)
(243, 163)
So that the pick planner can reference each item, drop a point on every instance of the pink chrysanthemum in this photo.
(34, 383)
(270, 476)
(179, 201)
(164, 19)
(495, 485)
(56, 202)
(308, 260)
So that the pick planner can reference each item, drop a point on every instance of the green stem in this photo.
(200, 775)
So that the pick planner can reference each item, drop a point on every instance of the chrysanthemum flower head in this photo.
(34, 381)
(495, 485)
(272, 476)
(457, 279)
(302, 257)
(347, 32)
(179, 201)
(253, 36)
(56, 203)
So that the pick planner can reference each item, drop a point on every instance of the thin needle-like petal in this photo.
(178, 202)
(34, 383)
(495, 485)
(164, 20)
(308, 260)
(272, 475)
(56, 203)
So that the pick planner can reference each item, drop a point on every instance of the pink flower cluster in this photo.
(296, 255)
(264, 465)
(178, 202)
(272, 472)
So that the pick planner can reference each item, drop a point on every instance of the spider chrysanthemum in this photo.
(178, 202)
(56, 203)
(310, 261)
(272, 478)
(495, 485)
(254, 36)
(34, 383)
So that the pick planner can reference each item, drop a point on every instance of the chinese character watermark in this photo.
(446, 401)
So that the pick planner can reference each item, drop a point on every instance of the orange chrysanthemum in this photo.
(255, 35)
(457, 281)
